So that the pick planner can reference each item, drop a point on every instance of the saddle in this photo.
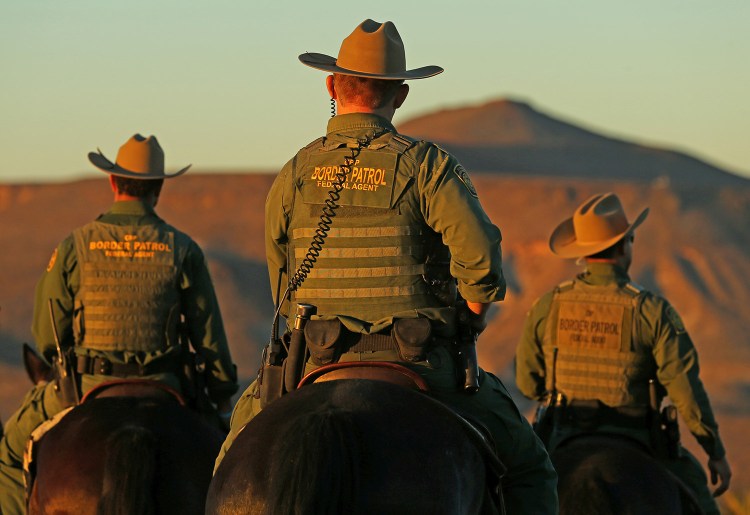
(375, 370)
(134, 388)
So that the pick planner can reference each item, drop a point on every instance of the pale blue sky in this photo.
(219, 82)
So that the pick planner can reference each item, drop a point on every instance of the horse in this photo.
(355, 446)
(133, 449)
(612, 475)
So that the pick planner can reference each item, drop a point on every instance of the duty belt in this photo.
(103, 366)
(586, 415)
(358, 342)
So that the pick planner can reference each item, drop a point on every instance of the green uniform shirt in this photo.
(447, 202)
(61, 283)
(657, 326)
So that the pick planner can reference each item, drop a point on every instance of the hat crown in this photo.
(374, 48)
(139, 158)
(141, 155)
(597, 224)
(599, 219)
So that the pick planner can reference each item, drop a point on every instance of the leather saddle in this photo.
(134, 388)
(375, 370)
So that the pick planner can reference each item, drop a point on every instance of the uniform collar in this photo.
(358, 122)
(132, 207)
(601, 273)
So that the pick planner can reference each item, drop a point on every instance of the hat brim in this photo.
(564, 243)
(327, 63)
(105, 165)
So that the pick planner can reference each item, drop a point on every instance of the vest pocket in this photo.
(412, 336)
(321, 337)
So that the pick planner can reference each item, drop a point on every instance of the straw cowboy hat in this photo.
(374, 50)
(597, 224)
(138, 158)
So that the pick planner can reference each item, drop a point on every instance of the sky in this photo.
(220, 85)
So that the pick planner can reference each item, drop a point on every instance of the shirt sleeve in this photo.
(58, 284)
(451, 207)
(678, 371)
(530, 366)
(278, 214)
(205, 325)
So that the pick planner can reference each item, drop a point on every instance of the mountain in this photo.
(510, 136)
(693, 249)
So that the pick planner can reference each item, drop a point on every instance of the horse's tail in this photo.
(316, 469)
(129, 473)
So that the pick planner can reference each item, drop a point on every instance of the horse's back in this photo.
(165, 447)
(603, 475)
(354, 446)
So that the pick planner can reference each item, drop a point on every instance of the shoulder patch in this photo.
(675, 319)
(52, 260)
(463, 176)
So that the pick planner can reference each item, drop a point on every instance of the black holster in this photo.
(66, 379)
(194, 382)
(549, 416)
(271, 375)
(665, 433)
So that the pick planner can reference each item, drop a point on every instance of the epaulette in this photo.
(564, 286)
(441, 149)
(400, 143)
(314, 143)
(635, 289)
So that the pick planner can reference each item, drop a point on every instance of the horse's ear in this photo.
(36, 368)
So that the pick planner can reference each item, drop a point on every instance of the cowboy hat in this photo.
(597, 224)
(138, 158)
(374, 50)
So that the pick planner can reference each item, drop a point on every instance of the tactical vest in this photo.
(128, 297)
(599, 354)
(372, 262)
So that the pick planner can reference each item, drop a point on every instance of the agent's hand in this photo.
(720, 472)
(473, 314)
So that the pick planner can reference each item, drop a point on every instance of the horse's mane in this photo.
(324, 458)
(130, 464)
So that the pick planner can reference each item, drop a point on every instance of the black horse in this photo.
(611, 475)
(138, 451)
(353, 446)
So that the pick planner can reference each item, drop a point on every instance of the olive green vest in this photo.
(129, 296)
(599, 355)
(373, 258)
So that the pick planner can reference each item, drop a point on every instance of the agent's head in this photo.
(598, 229)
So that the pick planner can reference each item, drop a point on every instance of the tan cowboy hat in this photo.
(597, 224)
(374, 50)
(138, 158)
